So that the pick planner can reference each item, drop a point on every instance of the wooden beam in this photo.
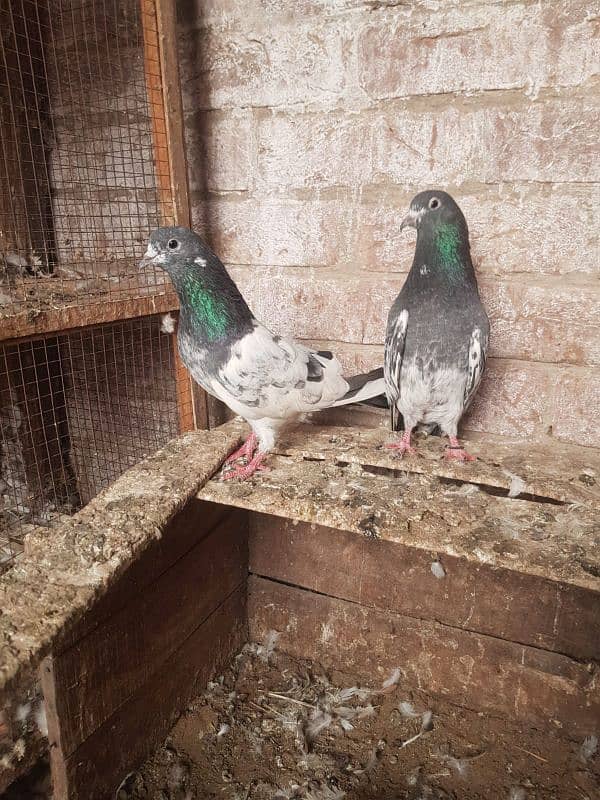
(476, 671)
(96, 769)
(161, 67)
(130, 666)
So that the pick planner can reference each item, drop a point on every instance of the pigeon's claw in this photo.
(245, 451)
(244, 471)
(455, 452)
(403, 446)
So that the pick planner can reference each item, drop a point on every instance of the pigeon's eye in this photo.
(434, 203)
(173, 244)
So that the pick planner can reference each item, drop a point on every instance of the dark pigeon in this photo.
(437, 331)
(265, 378)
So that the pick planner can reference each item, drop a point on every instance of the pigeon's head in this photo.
(428, 210)
(173, 249)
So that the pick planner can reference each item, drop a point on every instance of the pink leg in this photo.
(404, 445)
(455, 452)
(243, 472)
(246, 450)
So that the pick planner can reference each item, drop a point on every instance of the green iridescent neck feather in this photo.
(207, 310)
(447, 247)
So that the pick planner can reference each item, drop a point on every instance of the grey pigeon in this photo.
(437, 331)
(265, 378)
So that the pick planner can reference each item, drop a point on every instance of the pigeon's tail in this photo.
(368, 388)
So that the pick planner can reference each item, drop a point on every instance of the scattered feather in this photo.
(427, 722)
(223, 730)
(40, 720)
(365, 711)
(517, 485)
(346, 725)
(517, 793)
(437, 569)
(373, 759)
(123, 783)
(407, 710)
(346, 694)
(321, 791)
(167, 323)
(458, 764)
(393, 679)
(318, 722)
(265, 650)
(588, 747)
(22, 712)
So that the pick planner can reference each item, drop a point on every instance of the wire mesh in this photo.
(84, 170)
(76, 410)
(84, 178)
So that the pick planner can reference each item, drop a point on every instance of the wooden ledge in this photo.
(48, 591)
(343, 478)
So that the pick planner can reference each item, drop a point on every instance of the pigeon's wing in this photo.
(270, 376)
(394, 353)
(477, 355)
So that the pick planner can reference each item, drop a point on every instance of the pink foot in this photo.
(247, 470)
(245, 451)
(454, 452)
(403, 446)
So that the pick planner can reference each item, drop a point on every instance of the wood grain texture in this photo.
(473, 670)
(393, 576)
(95, 770)
(95, 676)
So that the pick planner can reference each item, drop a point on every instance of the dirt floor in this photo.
(276, 728)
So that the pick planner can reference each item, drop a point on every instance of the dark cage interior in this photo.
(88, 382)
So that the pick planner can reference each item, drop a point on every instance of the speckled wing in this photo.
(394, 353)
(477, 355)
(269, 376)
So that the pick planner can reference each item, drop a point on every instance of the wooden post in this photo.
(162, 80)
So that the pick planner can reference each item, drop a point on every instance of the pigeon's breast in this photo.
(431, 393)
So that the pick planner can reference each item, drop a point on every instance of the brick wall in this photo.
(312, 123)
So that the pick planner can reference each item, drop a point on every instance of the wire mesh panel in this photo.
(84, 167)
(76, 410)
(86, 162)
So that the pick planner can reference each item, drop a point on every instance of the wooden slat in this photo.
(476, 671)
(421, 511)
(95, 770)
(393, 576)
(94, 677)
(108, 309)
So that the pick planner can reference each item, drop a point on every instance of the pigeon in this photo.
(437, 330)
(265, 378)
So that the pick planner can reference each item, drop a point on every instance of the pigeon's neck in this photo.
(443, 256)
(211, 306)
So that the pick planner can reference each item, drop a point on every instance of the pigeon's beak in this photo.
(410, 220)
(149, 256)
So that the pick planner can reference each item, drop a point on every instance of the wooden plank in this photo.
(470, 669)
(50, 590)
(396, 577)
(183, 532)
(95, 312)
(559, 543)
(95, 770)
(95, 676)
(566, 473)
(161, 69)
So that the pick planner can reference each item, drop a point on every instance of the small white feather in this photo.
(265, 650)
(319, 721)
(407, 710)
(22, 712)
(346, 725)
(41, 721)
(517, 485)
(392, 680)
(437, 569)
(223, 730)
(517, 793)
(167, 324)
(588, 747)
